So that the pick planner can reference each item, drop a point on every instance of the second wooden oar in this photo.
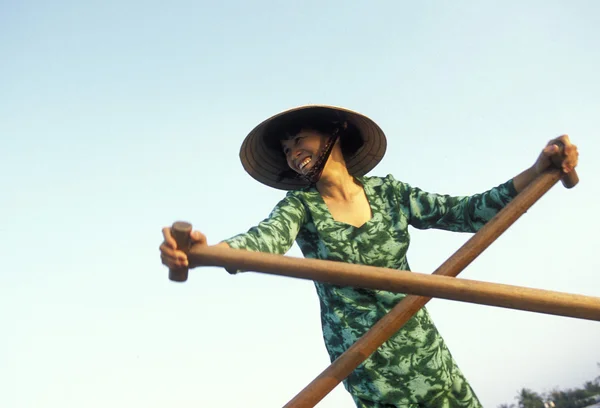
(388, 325)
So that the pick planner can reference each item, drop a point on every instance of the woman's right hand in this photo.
(170, 255)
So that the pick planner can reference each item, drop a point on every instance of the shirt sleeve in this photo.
(452, 213)
(276, 233)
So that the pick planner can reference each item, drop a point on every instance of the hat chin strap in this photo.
(314, 174)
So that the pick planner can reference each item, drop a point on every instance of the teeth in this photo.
(304, 163)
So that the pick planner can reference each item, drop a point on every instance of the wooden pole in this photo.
(371, 277)
(388, 325)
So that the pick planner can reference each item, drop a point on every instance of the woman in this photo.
(333, 211)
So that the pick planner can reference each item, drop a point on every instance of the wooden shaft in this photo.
(181, 233)
(371, 277)
(387, 326)
(570, 180)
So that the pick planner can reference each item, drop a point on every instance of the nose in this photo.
(293, 153)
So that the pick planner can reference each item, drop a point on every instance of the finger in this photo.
(171, 252)
(550, 150)
(169, 240)
(165, 248)
(198, 237)
(168, 260)
(564, 139)
(571, 156)
(571, 152)
(182, 259)
(177, 259)
(167, 252)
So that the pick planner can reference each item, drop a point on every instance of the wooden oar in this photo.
(371, 277)
(388, 325)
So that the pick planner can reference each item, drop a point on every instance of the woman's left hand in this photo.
(570, 156)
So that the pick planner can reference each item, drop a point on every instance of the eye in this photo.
(293, 141)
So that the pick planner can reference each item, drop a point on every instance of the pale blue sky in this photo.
(119, 117)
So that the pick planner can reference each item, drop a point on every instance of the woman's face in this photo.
(302, 150)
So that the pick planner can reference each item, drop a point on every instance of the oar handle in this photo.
(180, 231)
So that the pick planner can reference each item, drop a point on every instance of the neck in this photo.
(336, 182)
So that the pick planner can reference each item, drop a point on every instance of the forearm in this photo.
(523, 179)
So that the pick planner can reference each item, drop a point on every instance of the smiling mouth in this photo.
(304, 163)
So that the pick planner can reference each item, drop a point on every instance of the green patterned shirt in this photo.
(414, 367)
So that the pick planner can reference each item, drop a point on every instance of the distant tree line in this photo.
(582, 397)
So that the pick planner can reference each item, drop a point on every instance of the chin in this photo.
(306, 170)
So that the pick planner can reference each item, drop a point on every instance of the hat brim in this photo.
(269, 167)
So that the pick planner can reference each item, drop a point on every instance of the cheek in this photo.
(289, 162)
(318, 144)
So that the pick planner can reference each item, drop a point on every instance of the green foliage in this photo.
(570, 398)
(529, 399)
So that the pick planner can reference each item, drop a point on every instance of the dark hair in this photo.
(323, 121)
